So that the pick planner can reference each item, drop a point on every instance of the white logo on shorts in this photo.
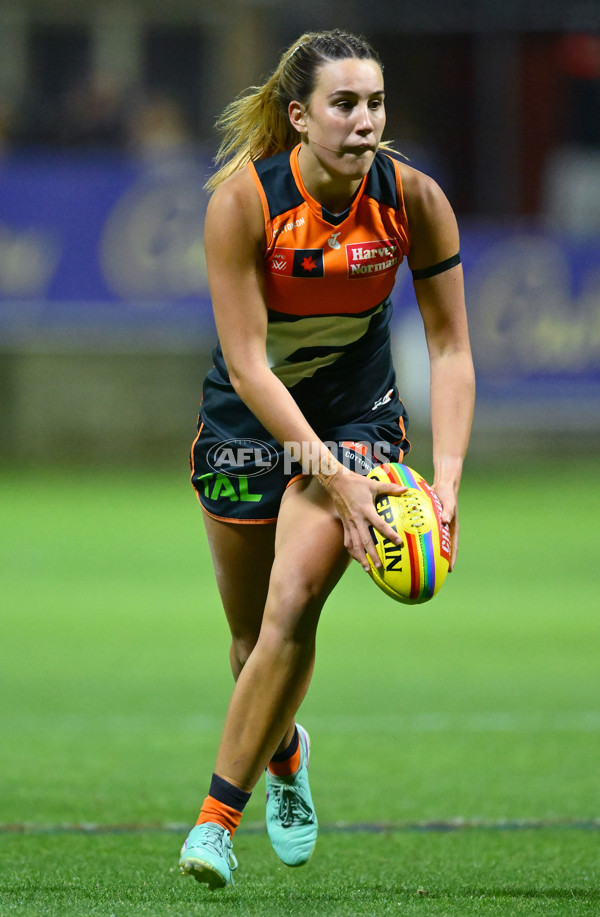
(385, 400)
(242, 457)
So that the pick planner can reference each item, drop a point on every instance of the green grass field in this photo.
(455, 746)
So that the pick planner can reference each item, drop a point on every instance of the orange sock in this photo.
(287, 762)
(224, 804)
(214, 811)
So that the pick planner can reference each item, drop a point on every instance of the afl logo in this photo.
(238, 458)
(279, 263)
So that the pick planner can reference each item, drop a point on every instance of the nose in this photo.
(364, 121)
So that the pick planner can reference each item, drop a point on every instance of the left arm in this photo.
(441, 299)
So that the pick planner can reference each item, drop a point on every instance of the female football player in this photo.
(309, 220)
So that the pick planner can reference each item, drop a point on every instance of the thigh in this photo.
(242, 556)
(310, 558)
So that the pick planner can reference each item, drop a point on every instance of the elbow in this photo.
(238, 366)
(241, 383)
(235, 377)
(246, 379)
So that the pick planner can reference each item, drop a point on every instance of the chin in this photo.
(358, 168)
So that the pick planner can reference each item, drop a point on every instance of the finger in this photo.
(385, 529)
(361, 547)
(347, 538)
(388, 488)
(370, 549)
(369, 546)
(448, 502)
(377, 522)
(453, 545)
(353, 544)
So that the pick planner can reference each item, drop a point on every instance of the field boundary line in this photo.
(435, 825)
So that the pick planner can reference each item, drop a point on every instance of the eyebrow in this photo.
(351, 92)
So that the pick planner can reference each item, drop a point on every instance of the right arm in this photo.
(234, 243)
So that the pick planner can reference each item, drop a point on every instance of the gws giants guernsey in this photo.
(328, 280)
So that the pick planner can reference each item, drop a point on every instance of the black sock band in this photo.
(228, 794)
(289, 751)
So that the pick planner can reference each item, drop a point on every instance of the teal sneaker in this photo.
(291, 818)
(207, 855)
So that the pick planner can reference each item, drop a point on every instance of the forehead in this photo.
(351, 74)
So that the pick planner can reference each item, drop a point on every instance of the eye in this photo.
(344, 105)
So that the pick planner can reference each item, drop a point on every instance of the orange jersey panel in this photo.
(319, 263)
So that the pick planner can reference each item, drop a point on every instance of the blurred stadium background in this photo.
(106, 136)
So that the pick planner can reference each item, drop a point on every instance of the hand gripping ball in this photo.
(414, 572)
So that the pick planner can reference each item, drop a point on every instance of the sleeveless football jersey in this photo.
(328, 281)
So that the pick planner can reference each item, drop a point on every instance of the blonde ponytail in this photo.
(257, 125)
(253, 126)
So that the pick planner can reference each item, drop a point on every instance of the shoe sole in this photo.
(203, 872)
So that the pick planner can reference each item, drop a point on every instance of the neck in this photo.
(334, 192)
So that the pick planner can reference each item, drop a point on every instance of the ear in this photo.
(297, 116)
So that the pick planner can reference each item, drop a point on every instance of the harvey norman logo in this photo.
(376, 257)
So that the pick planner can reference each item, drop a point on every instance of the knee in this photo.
(293, 608)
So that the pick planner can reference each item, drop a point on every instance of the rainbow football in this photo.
(414, 572)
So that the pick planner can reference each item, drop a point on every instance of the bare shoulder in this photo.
(235, 206)
(422, 194)
(431, 220)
